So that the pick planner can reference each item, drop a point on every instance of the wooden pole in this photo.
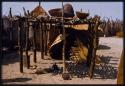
(92, 65)
(10, 13)
(41, 41)
(50, 34)
(28, 12)
(34, 43)
(65, 75)
(45, 36)
(39, 3)
(120, 75)
(64, 41)
(48, 30)
(25, 14)
(20, 48)
(27, 43)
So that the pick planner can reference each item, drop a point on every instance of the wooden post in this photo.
(50, 34)
(45, 37)
(41, 41)
(34, 43)
(20, 47)
(11, 29)
(27, 43)
(120, 75)
(12, 37)
(90, 48)
(28, 12)
(39, 3)
(63, 50)
(65, 75)
(25, 14)
(10, 13)
(48, 27)
(92, 65)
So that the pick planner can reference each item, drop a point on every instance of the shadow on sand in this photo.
(103, 47)
(104, 70)
(10, 57)
(15, 80)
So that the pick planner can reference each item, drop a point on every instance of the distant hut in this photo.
(38, 11)
(68, 11)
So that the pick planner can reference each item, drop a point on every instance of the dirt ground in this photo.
(110, 50)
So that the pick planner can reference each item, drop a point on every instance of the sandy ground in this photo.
(110, 49)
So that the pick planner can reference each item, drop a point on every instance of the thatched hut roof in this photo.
(68, 11)
(38, 11)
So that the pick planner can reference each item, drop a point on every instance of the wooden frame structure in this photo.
(42, 24)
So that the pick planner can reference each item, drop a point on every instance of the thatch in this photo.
(38, 11)
(68, 9)
(57, 12)
(82, 15)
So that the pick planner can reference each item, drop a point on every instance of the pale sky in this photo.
(111, 10)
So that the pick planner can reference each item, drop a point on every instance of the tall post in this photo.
(39, 3)
(25, 14)
(11, 29)
(34, 43)
(65, 75)
(81, 10)
(41, 41)
(63, 50)
(92, 64)
(20, 47)
(45, 37)
(10, 13)
(27, 43)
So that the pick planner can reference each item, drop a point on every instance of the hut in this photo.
(68, 11)
(38, 11)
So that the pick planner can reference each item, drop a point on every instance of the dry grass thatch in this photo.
(38, 11)
(119, 34)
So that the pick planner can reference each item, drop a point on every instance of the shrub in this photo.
(119, 34)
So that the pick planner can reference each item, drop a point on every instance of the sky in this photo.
(111, 10)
